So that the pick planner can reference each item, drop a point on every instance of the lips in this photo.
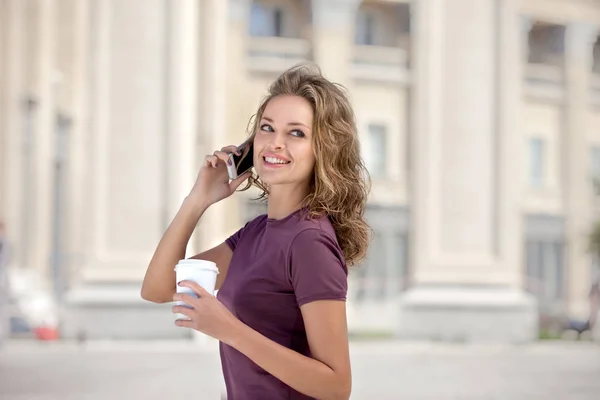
(275, 160)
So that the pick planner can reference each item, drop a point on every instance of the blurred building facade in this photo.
(478, 122)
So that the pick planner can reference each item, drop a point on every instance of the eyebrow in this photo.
(291, 123)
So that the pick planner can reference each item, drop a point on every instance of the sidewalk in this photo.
(32, 370)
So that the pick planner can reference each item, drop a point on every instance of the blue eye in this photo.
(298, 133)
(266, 127)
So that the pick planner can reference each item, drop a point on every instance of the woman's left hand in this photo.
(207, 315)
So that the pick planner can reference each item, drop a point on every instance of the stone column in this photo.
(11, 123)
(333, 24)
(464, 214)
(4, 10)
(132, 153)
(238, 109)
(214, 74)
(579, 41)
(513, 57)
(43, 144)
(181, 108)
(78, 165)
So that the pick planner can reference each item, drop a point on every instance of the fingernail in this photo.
(229, 162)
(237, 152)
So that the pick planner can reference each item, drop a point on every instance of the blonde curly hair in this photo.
(340, 185)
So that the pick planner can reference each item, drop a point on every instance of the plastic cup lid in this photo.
(197, 264)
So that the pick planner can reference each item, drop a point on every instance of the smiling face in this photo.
(306, 153)
(283, 149)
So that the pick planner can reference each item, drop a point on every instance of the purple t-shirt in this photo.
(277, 266)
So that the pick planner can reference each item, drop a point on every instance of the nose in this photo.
(278, 141)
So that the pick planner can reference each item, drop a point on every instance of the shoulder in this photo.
(250, 229)
(317, 269)
(254, 226)
(314, 227)
(314, 239)
(257, 222)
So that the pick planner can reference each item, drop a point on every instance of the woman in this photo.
(280, 313)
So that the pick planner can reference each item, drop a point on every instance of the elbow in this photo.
(148, 295)
(342, 395)
(342, 391)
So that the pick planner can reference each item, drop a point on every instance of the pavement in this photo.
(148, 370)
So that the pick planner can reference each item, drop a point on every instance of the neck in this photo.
(284, 200)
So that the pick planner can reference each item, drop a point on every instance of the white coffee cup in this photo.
(203, 272)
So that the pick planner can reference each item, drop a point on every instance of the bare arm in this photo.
(159, 281)
(212, 185)
(325, 375)
(328, 374)
(220, 255)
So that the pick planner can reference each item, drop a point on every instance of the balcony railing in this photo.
(275, 54)
(544, 73)
(381, 63)
(544, 80)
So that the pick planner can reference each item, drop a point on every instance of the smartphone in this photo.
(242, 163)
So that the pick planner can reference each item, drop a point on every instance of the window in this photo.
(385, 271)
(595, 168)
(546, 44)
(537, 160)
(399, 268)
(266, 20)
(595, 162)
(594, 270)
(365, 28)
(375, 150)
(545, 272)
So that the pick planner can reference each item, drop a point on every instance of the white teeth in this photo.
(273, 160)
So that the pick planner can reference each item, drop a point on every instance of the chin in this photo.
(280, 177)
(272, 181)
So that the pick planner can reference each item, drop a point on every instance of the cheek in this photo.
(258, 147)
(312, 161)
(257, 141)
(308, 157)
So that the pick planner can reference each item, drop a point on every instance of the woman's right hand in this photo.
(212, 184)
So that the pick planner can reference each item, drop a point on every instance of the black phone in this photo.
(242, 163)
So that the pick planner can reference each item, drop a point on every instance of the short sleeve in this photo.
(233, 240)
(317, 267)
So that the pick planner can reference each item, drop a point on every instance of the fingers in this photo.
(186, 298)
(231, 149)
(183, 310)
(184, 323)
(238, 181)
(212, 161)
(221, 155)
(199, 290)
